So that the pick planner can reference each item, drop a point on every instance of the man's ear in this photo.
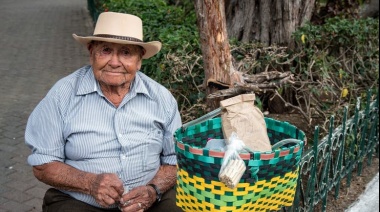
(143, 51)
(90, 46)
(139, 64)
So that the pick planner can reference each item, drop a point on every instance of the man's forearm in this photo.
(63, 176)
(106, 188)
(165, 178)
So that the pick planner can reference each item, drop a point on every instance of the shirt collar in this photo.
(89, 84)
(139, 85)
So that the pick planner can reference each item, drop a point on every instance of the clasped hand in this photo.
(107, 189)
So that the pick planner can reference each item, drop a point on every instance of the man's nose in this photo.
(114, 60)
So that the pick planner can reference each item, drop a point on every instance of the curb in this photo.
(369, 199)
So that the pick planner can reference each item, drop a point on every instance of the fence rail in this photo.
(335, 157)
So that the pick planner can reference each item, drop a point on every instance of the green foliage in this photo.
(339, 58)
(342, 48)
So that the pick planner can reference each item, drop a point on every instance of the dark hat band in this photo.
(118, 37)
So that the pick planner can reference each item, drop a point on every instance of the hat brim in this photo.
(151, 48)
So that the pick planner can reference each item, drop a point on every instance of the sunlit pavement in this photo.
(369, 200)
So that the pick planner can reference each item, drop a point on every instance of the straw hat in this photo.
(120, 28)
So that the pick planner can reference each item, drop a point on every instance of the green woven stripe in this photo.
(210, 171)
(209, 167)
(197, 167)
(283, 127)
(278, 131)
(255, 161)
(199, 128)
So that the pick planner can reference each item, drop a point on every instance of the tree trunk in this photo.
(267, 21)
(332, 8)
(219, 71)
(370, 9)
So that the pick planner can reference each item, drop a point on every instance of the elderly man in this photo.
(103, 136)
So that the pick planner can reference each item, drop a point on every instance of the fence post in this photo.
(361, 152)
(311, 184)
(341, 153)
(326, 168)
(353, 143)
(373, 134)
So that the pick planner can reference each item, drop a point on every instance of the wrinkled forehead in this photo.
(130, 47)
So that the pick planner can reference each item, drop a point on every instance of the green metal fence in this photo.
(338, 156)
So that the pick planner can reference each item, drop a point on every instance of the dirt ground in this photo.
(347, 195)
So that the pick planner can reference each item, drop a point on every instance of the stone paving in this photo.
(37, 49)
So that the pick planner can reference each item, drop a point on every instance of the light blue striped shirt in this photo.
(77, 125)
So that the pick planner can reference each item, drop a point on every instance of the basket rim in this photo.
(268, 155)
(218, 119)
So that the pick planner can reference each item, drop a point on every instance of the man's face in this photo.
(115, 64)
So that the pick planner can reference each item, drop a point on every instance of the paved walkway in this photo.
(37, 49)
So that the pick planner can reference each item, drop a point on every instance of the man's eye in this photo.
(106, 50)
(125, 52)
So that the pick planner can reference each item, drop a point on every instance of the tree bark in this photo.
(267, 21)
(370, 9)
(219, 71)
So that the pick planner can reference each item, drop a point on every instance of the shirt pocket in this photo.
(153, 150)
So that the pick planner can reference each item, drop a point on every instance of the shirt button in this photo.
(120, 135)
(123, 157)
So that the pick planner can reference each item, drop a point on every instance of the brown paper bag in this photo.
(240, 115)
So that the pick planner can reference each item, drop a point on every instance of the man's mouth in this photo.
(114, 72)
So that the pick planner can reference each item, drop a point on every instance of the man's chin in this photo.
(113, 83)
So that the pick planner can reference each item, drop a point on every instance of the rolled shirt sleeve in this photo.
(168, 154)
(43, 133)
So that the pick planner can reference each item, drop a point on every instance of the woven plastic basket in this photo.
(268, 183)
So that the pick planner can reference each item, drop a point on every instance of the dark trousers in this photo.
(56, 201)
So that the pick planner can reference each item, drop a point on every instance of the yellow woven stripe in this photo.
(259, 205)
(282, 197)
(199, 183)
(274, 200)
(189, 201)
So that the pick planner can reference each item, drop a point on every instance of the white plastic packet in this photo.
(216, 144)
(233, 167)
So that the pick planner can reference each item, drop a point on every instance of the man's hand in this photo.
(107, 189)
(138, 199)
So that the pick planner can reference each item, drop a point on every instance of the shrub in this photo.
(338, 59)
